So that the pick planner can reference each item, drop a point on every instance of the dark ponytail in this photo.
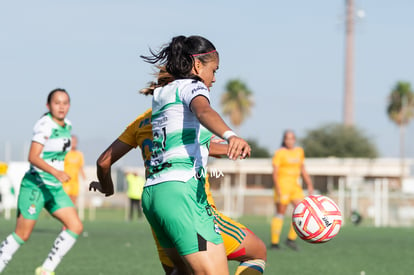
(163, 78)
(178, 56)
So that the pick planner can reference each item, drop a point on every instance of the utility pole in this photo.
(348, 116)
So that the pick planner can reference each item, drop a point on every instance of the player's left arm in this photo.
(104, 163)
(35, 159)
(81, 170)
(82, 173)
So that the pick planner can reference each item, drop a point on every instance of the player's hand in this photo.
(96, 185)
(238, 148)
(310, 189)
(277, 191)
(62, 176)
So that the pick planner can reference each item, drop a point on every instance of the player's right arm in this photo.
(275, 182)
(217, 149)
(111, 155)
(35, 159)
(275, 164)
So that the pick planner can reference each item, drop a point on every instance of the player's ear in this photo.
(197, 65)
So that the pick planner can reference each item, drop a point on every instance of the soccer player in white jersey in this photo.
(41, 186)
(174, 198)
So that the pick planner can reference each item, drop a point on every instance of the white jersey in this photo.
(180, 142)
(56, 141)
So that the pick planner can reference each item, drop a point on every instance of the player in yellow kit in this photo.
(288, 167)
(240, 243)
(73, 167)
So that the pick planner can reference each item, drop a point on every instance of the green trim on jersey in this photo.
(54, 155)
(178, 101)
(180, 138)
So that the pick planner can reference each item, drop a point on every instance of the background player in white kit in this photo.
(41, 186)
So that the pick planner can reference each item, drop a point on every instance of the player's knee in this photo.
(262, 251)
(257, 249)
(259, 252)
(76, 227)
(23, 235)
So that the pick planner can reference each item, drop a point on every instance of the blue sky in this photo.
(290, 54)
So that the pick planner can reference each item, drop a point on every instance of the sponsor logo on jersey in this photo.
(198, 88)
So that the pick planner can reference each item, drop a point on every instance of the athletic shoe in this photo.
(275, 246)
(41, 271)
(292, 244)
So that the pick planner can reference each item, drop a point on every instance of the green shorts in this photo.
(180, 215)
(34, 195)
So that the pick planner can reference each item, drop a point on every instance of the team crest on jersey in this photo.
(32, 209)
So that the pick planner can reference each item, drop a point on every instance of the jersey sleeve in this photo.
(276, 158)
(192, 90)
(138, 130)
(41, 131)
(128, 136)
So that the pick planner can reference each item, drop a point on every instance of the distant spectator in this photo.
(134, 192)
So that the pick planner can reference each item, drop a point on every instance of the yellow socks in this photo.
(292, 234)
(276, 229)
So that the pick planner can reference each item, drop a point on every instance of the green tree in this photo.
(338, 140)
(257, 150)
(400, 108)
(237, 102)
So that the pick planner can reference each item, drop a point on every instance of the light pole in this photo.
(348, 116)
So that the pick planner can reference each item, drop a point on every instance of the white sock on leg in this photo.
(62, 245)
(7, 248)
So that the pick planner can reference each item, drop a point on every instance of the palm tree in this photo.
(400, 109)
(237, 102)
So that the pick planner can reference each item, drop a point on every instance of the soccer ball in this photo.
(316, 219)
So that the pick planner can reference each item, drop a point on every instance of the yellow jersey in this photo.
(289, 164)
(73, 163)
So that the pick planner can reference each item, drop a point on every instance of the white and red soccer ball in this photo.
(317, 219)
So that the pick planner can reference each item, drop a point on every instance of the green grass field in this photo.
(112, 246)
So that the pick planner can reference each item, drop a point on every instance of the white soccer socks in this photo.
(7, 248)
(62, 245)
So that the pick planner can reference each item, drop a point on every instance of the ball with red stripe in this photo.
(317, 219)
